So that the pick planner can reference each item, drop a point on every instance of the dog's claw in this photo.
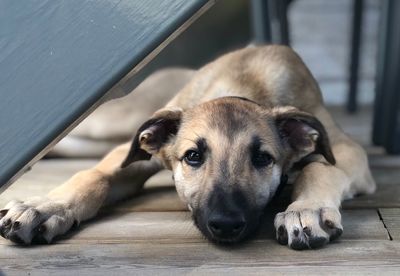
(298, 244)
(3, 213)
(16, 226)
(307, 231)
(39, 239)
(16, 239)
(317, 242)
(329, 224)
(336, 234)
(7, 223)
(41, 229)
(282, 235)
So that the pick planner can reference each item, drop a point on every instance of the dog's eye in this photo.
(193, 158)
(261, 159)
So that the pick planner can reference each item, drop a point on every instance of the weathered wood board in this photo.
(178, 227)
(386, 195)
(391, 219)
(256, 257)
(59, 58)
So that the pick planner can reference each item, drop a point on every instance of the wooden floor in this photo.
(153, 234)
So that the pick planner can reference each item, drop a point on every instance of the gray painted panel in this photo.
(57, 58)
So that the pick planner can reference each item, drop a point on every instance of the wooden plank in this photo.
(153, 199)
(257, 257)
(178, 227)
(386, 195)
(363, 225)
(391, 219)
(60, 58)
(44, 176)
(159, 194)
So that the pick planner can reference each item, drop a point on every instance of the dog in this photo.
(241, 125)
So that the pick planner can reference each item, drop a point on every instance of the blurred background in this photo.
(320, 31)
(350, 47)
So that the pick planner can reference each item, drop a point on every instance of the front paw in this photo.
(308, 228)
(37, 220)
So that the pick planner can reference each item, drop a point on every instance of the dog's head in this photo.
(227, 157)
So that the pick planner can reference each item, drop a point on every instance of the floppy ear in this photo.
(153, 134)
(304, 133)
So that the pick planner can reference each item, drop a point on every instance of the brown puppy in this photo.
(239, 125)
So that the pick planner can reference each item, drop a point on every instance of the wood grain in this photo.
(257, 257)
(62, 57)
(386, 195)
(178, 227)
(391, 219)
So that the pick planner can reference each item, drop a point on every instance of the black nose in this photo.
(226, 226)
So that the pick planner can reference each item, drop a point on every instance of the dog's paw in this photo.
(37, 220)
(308, 228)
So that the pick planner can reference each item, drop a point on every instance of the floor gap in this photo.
(384, 225)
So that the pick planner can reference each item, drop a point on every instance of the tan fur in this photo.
(198, 123)
(272, 76)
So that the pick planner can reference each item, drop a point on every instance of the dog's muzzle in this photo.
(226, 217)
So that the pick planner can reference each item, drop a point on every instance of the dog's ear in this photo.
(303, 133)
(153, 134)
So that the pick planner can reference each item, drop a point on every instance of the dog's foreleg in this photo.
(313, 219)
(78, 199)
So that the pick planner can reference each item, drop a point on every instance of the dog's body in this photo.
(239, 125)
